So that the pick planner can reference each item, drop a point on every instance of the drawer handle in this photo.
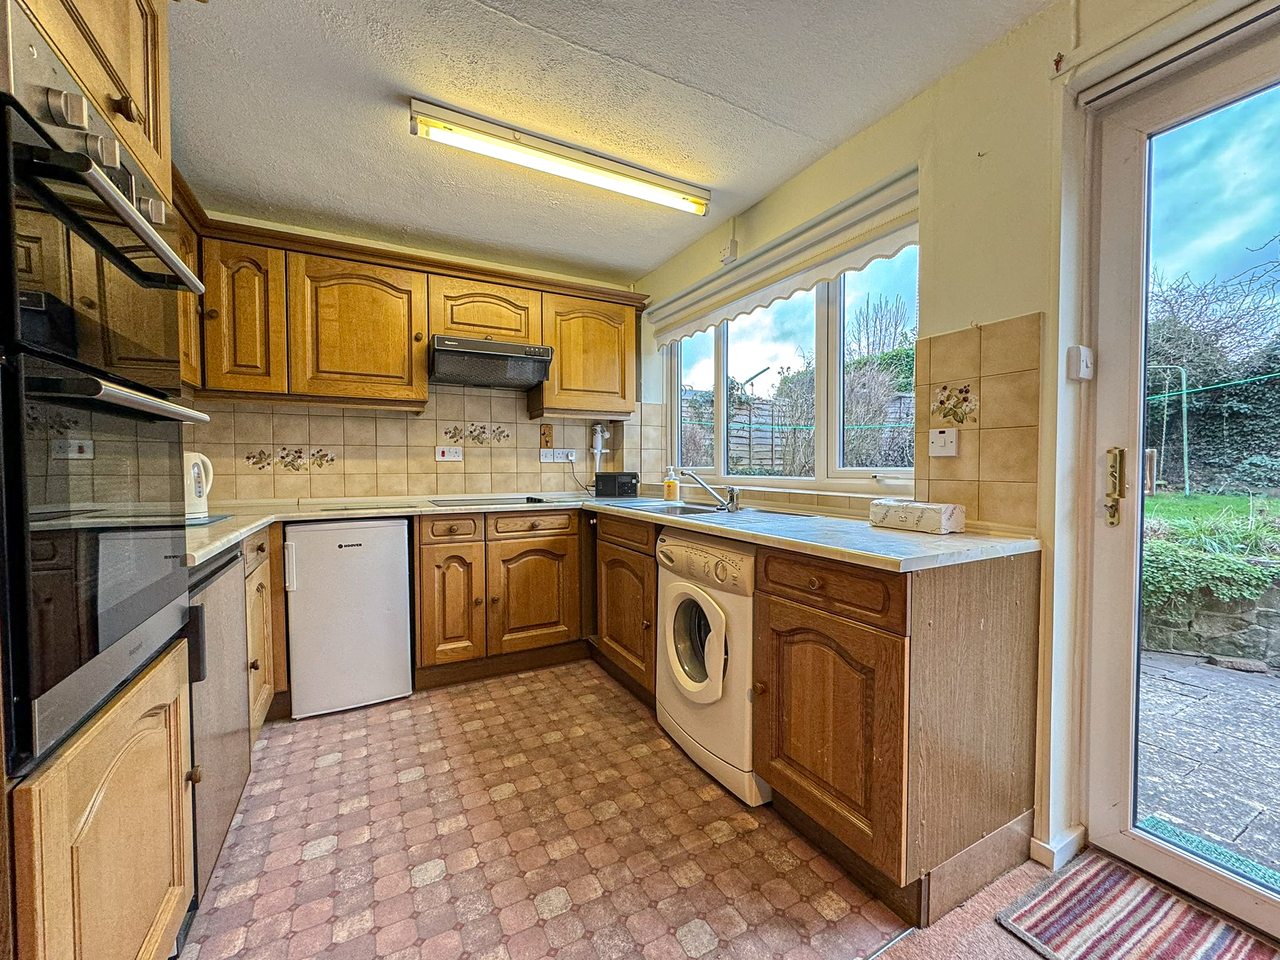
(254, 664)
(453, 528)
(194, 775)
(495, 599)
(758, 689)
(480, 600)
(814, 583)
(535, 524)
(262, 547)
(211, 313)
(88, 302)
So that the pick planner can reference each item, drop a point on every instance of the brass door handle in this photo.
(211, 313)
(758, 689)
(126, 107)
(254, 664)
(194, 775)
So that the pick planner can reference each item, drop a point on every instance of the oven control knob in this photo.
(104, 151)
(720, 571)
(153, 209)
(68, 109)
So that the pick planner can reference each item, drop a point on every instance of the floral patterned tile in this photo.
(543, 814)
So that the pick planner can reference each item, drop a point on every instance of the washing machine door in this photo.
(694, 642)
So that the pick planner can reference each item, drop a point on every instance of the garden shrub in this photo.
(1174, 574)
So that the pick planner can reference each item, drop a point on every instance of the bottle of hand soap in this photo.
(670, 485)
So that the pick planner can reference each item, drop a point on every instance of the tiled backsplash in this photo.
(985, 382)
(266, 451)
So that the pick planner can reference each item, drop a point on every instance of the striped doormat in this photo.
(1098, 909)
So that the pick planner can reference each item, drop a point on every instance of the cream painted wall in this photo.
(1000, 149)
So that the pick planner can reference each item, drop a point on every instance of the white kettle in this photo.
(197, 480)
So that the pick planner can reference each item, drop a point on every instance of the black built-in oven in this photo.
(94, 541)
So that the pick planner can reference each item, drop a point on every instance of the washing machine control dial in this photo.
(720, 571)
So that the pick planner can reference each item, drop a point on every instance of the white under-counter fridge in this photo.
(347, 584)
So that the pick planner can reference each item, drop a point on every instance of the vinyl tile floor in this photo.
(543, 814)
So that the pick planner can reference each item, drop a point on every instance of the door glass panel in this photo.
(1208, 725)
(690, 633)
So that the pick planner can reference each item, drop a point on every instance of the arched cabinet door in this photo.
(533, 593)
(453, 602)
(593, 367)
(246, 334)
(485, 311)
(830, 723)
(627, 592)
(102, 830)
(356, 330)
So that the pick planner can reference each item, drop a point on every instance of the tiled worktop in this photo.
(837, 538)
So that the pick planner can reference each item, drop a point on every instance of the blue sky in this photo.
(1215, 190)
(779, 335)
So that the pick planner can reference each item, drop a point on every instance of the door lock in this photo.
(1117, 485)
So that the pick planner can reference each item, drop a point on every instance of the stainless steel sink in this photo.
(678, 509)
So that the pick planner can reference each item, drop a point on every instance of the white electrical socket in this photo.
(448, 454)
(557, 455)
(546, 455)
(943, 443)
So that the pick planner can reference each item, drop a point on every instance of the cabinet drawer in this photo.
(255, 550)
(453, 528)
(874, 597)
(509, 526)
(625, 532)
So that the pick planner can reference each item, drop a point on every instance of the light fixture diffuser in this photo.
(514, 146)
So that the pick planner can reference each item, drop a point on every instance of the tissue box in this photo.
(915, 515)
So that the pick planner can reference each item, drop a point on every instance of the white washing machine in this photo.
(704, 655)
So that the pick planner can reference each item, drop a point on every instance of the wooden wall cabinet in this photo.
(189, 334)
(533, 593)
(593, 366)
(118, 50)
(259, 655)
(451, 625)
(246, 334)
(102, 831)
(830, 725)
(485, 311)
(627, 592)
(356, 330)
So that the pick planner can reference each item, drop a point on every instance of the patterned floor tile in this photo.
(543, 814)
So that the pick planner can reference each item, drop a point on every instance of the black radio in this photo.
(617, 484)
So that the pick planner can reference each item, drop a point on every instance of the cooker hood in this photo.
(487, 363)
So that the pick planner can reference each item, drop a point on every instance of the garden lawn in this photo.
(1174, 506)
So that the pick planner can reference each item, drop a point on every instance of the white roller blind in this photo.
(875, 224)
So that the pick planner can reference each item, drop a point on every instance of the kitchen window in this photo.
(815, 389)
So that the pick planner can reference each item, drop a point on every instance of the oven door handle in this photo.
(33, 164)
(91, 388)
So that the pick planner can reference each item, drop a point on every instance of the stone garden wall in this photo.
(1239, 628)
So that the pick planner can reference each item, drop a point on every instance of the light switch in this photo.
(944, 443)
(449, 454)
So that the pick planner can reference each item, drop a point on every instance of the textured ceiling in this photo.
(297, 111)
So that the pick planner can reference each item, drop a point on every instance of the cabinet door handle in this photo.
(254, 664)
(644, 624)
(211, 313)
(494, 599)
(417, 337)
(262, 548)
(814, 583)
(88, 302)
(194, 775)
(480, 600)
(758, 689)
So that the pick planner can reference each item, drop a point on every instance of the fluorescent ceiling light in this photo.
(503, 143)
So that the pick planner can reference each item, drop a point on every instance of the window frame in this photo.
(829, 475)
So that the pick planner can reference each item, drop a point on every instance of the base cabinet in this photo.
(533, 593)
(627, 592)
(830, 725)
(451, 602)
(102, 832)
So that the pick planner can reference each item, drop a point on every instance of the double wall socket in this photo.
(448, 454)
(557, 455)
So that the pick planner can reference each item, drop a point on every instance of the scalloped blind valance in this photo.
(875, 224)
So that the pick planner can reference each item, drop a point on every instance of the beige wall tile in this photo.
(1011, 345)
(328, 485)
(326, 431)
(391, 432)
(290, 430)
(392, 460)
(527, 435)
(922, 458)
(252, 427)
(921, 491)
(503, 459)
(964, 492)
(955, 356)
(1012, 504)
(477, 409)
(359, 431)
(294, 485)
(923, 352)
(1009, 454)
(219, 429)
(420, 432)
(421, 460)
(505, 482)
(357, 460)
(449, 406)
(258, 486)
(392, 485)
(451, 483)
(506, 406)
(1010, 400)
(422, 484)
(479, 483)
(476, 460)
(529, 481)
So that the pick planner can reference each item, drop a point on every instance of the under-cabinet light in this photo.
(503, 143)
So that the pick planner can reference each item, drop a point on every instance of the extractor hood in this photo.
(487, 363)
